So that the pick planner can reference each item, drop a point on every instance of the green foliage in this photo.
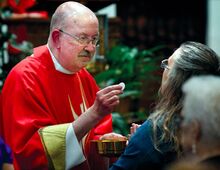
(136, 68)
(119, 124)
(131, 66)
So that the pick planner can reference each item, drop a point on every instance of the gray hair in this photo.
(193, 59)
(201, 103)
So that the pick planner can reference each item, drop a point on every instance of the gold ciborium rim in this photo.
(110, 147)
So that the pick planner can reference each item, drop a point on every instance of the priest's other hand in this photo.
(113, 136)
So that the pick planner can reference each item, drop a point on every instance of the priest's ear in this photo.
(55, 38)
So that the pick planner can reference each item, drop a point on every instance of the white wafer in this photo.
(122, 85)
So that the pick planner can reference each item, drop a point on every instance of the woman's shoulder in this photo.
(147, 134)
(143, 133)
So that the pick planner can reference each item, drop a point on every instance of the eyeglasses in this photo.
(164, 64)
(83, 40)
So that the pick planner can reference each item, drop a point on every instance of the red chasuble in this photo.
(38, 102)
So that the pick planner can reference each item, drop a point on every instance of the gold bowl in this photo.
(110, 147)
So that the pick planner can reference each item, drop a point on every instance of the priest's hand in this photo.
(106, 100)
(113, 136)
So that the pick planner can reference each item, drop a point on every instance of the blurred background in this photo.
(134, 37)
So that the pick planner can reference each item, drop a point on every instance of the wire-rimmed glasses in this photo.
(83, 40)
(164, 64)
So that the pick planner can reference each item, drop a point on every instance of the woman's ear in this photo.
(195, 130)
(55, 37)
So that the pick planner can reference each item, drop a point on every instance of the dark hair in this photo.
(194, 59)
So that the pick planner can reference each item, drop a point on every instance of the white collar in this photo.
(57, 65)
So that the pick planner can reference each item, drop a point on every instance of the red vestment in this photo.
(35, 95)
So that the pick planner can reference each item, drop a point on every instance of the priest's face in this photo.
(78, 44)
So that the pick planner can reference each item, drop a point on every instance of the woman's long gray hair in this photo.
(195, 59)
